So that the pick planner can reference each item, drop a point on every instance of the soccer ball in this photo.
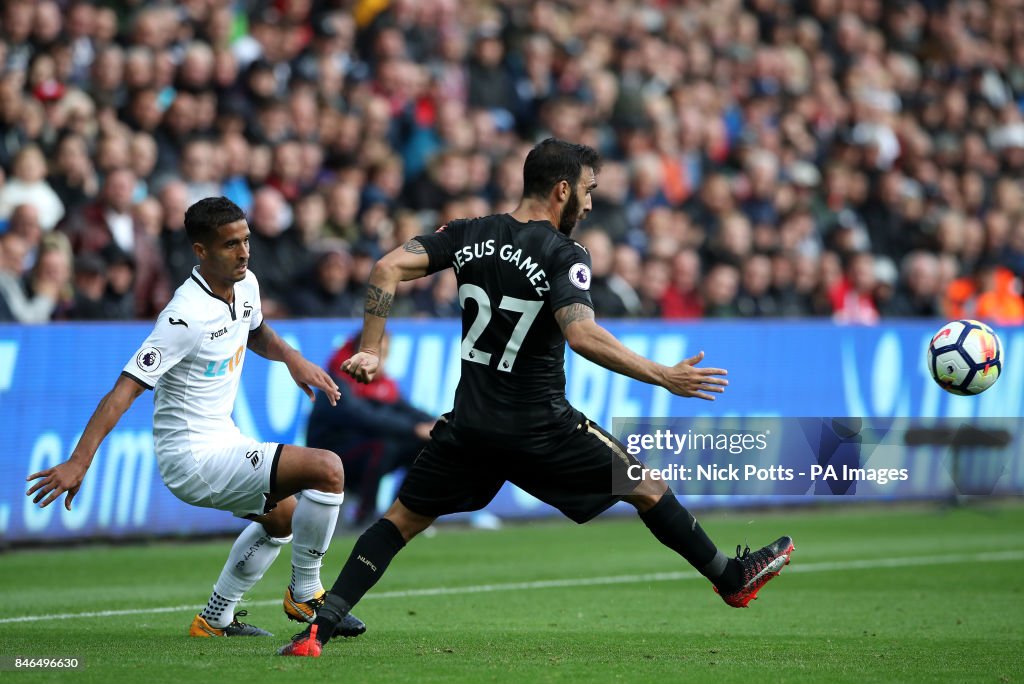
(965, 357)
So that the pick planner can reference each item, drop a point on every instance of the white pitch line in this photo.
(827, 566)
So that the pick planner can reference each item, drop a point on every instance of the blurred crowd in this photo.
(852, 159)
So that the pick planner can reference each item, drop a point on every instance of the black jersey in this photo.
(512, 276)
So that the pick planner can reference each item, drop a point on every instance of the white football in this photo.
(965, 357)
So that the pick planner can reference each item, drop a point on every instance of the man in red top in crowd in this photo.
(373, 428)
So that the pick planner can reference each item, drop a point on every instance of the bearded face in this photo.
(570, 214)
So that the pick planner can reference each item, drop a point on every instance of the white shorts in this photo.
(235, 478)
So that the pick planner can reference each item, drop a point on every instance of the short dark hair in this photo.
(553, 161)
(207, 215)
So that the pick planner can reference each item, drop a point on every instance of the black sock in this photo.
(365, 565)
(676, 528)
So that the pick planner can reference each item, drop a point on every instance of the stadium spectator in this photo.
(376, 431)
(148, 214)
(310, 220)
(627, 267)
(27, 185)
(609, 202)
(918, 292)
(90, 284)
(73, 176)
(174, 243)
(342, 210)
(646, 192)
(276, 251)
(612, 295)
(991, 293)
(720, 290)
(24, 221)
(199, 171)
(853, 295)
(1013, 258)
(755, 299)
(442, 300)
(655, 284)
(733, 241)
(683, 299)
(17, 305)
(235, 151)
(762, 173)
(109, 221)
(490, 86)
(113, 151)
(286, 170)
(119, 295)
(325, 292)
(714, 202)
(789, 287)
(51, 274)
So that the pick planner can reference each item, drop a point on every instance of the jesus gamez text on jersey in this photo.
(526, 264)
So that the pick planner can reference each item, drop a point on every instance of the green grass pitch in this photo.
(882, 594)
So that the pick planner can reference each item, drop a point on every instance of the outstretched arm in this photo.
(594, 343)
(407, 262)
(68, 476)
(268, 344)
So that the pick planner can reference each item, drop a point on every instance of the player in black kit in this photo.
(523, 287)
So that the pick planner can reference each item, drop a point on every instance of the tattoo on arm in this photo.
(378, 302)
(572, 313)
(414, 247)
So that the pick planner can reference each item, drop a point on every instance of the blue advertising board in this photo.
(52, 377)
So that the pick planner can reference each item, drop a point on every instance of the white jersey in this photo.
(193, 359)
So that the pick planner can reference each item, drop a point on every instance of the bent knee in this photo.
(409, 524)
(642, 502)
(332, 472)
(647, 495)
(278, 529)
(650, 489)
(278, 522)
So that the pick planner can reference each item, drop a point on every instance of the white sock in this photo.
(251, 555)
(312, 528)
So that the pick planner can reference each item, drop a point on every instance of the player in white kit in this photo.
(193, 361)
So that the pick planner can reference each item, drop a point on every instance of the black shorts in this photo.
(578, 475)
